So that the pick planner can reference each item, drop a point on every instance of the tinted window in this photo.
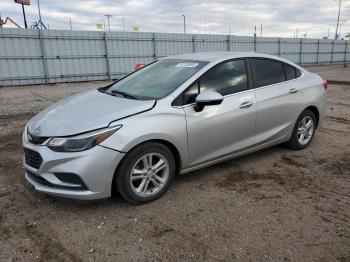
(159, 79)
(290, 72)
(267, 72)
(189, 96)
(298, 72)
(225, 78)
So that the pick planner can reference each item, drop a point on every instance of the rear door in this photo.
(277, 96)
(219, 130)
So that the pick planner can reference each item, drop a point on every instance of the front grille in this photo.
(36, 140)
(44, 182)
(32, 158)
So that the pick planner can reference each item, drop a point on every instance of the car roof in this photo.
(220, 56)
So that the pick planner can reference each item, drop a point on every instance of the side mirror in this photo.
(207, 98)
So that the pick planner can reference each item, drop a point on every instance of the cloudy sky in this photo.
(279, 18)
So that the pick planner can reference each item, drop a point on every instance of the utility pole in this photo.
(24, 17)
(261, 30)
(297, 32)
(328, 33)
(70, 24)
(336, 30)
(184, 23)
(108, 20)
(340, 25)
(40, 21)
(255, 31)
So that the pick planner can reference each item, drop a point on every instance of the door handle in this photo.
(246, 104)
(293, 90)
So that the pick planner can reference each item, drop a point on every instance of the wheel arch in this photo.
(173, 149)
(316, 112)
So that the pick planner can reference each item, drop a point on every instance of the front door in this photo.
(221, 130)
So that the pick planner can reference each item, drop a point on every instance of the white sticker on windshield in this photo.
(186, 64)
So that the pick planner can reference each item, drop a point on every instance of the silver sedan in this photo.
(171, 117)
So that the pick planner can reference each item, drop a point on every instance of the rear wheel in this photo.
(145, 173)
(304, 130)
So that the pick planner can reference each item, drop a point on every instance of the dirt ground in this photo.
(273, 205)
(333, 72)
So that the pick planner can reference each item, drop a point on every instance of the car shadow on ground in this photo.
(198, 176)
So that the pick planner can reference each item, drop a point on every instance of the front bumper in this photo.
(94, 168)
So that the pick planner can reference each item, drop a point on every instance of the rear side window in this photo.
(298, 72)
(290, 71)
(267, 72)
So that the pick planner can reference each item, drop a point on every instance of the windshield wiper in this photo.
(127, 95)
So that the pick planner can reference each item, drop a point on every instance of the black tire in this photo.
(122, 179)
(294, 143)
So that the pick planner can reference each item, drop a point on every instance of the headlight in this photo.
(81, 142)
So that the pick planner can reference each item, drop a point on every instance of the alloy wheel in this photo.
(305, 130)
(149, 174)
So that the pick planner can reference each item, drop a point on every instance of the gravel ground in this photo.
(273, 205)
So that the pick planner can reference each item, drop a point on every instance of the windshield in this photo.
(157, 80)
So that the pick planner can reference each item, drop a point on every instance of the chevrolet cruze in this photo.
(173, 116)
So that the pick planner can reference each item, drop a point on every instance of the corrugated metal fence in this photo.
(52, 56)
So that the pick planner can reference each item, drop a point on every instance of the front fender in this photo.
(168, 125)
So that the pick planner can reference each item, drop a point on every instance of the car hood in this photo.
(84, 112)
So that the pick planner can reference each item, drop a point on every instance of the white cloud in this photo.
(279, 18)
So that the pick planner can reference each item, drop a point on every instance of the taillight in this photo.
(325, 84)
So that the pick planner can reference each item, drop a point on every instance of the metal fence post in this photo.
(109, 75)
(318, 51)
(228, 43)
(154, 46)
(43, 55)
(345, 53)
(300, 51)
(279, 47)
(193, 44)
(332, 54)
(254, 42)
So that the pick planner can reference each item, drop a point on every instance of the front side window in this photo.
(267, 72)
(157, 80)
(225, 78)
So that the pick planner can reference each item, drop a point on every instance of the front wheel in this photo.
(304, 130)
(145, 173)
